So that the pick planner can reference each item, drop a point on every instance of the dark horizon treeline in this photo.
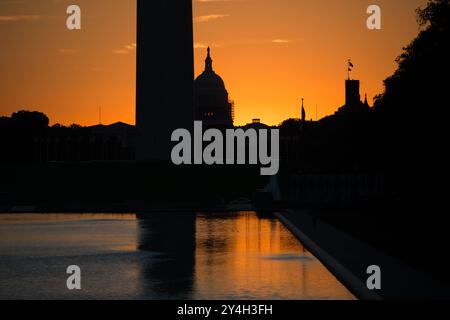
(411, 117)
(26, 137)
(17, 134)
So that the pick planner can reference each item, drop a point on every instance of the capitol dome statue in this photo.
(212, 105)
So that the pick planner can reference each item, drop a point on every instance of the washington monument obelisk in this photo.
(165, 75)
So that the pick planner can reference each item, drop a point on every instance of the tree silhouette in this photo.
(412, 114)
(29, 120)
(417, 90)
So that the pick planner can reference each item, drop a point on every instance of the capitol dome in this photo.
(209, 79)
(212, 105)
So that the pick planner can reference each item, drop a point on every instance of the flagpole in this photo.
(348, 69)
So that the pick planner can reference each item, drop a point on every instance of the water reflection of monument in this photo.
(170, 273)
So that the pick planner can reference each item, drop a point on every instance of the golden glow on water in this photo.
(258, 258)
(159, 256)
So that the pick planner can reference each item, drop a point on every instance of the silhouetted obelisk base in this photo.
(165, 74)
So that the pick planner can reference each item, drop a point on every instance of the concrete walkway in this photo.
(348, 259)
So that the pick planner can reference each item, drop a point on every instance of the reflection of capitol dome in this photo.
(211, 98)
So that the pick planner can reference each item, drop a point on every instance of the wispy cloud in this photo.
(66, 51)
(125, 49)
(247, 42)
(210, 17)
(200, 46)
(282, 41)
(20, 18)
(130, 46)
(120, 51)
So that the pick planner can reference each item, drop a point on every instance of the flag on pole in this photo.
(350, 67)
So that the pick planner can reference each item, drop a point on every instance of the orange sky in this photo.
(270, 54)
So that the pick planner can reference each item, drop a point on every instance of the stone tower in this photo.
(164, 75)
(352, 96)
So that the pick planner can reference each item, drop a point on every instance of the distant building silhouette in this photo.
(303, 114)
(115, 142)
(212, 104)
(366, 104)
(303, 118)
(165, 75)
(26, 137)
(256, 124)
(353, 97)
